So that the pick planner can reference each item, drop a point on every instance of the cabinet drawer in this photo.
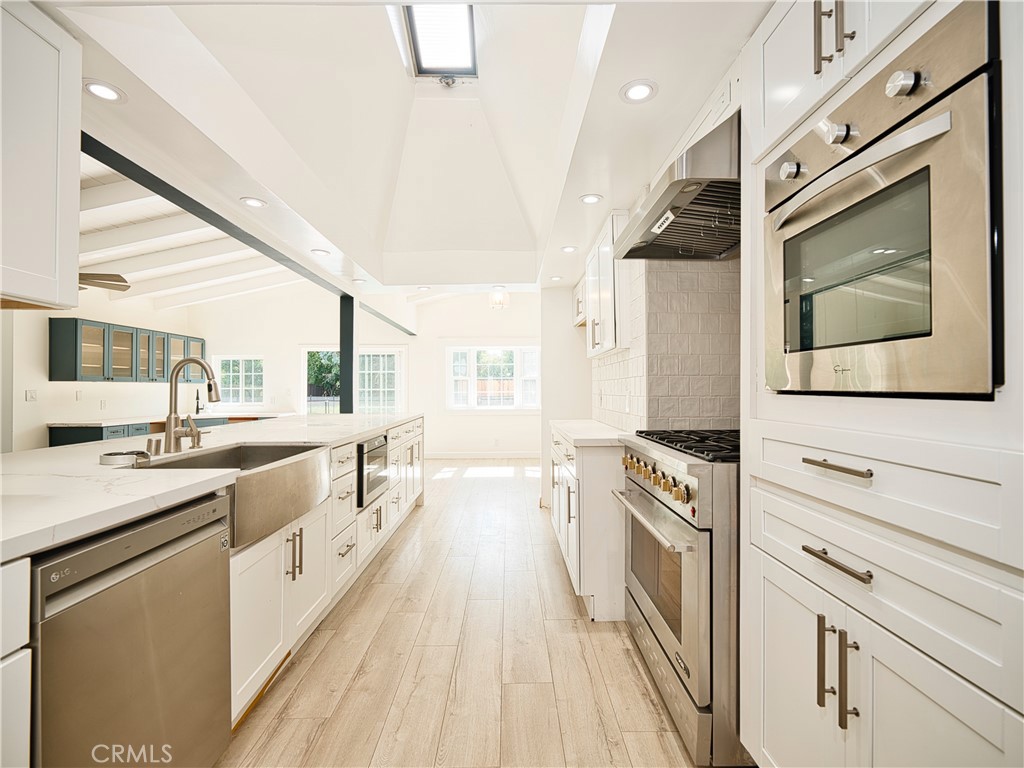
(111, 433)
(138, 429)
(14, 587)
(404, 432)
(971, 623)
(967, 497)
(344, 556)
(343, 460)
(343, 508)
(16, 705)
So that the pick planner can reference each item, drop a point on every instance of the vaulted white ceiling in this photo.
(404, 181)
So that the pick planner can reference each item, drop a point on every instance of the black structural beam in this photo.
(347, 356)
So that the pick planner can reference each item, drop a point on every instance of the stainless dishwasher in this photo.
(131, 633)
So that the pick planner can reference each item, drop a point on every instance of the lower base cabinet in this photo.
(16, 706)
(279, 587)
(371, 522)
(820, 658)
(344, 558)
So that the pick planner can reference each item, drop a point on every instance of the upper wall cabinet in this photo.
(41, 130)
(605, 296)
(808, 49)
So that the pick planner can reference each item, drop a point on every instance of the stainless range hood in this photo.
(693, 212)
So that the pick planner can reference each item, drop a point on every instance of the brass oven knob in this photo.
(625, 461)
(656, 479)
(682, 493)
(647, 473)
(639, 468)
(630, 463)
(668, 484)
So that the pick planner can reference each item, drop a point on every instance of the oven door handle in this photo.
(910, 138)
(638, 516)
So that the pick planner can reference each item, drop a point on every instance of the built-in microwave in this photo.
(882, 230)
(372, 478)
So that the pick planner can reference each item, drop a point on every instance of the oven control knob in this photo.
(667, 485)
(902, 82)
(638, 468)
(625, 461)
(837, 133)
(647, 472)
(656, 478)
(789, 171)
(682, 493)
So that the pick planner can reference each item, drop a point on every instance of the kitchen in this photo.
(454, 547)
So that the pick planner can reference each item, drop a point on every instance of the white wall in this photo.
(460, 321)
(277, 324)
(567, 385)
(60, 400)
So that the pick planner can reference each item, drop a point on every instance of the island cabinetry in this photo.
(279, 587)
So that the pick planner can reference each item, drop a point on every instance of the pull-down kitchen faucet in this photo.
(173, 431)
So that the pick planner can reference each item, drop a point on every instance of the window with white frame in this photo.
(240, 380)
(381, 380)
(499, 378)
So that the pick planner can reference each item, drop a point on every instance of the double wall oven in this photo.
(882, 242)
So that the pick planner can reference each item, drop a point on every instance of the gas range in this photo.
(690, 471)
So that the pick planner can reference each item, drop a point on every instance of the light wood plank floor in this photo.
(463, 645)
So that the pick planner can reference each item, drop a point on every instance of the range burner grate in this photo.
(707, 444)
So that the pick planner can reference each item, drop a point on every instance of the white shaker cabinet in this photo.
(41, 137)
(607, 298)
(15, 665)
(308, 577)
(821, 657)
(259, 616)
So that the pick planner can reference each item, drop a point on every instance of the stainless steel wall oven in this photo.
(372, 479)
(883, 264)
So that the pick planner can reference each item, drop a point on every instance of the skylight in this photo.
(442, 39)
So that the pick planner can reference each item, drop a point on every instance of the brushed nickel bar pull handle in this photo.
(291, 572)
(841, 34)
(822, 630)
(302, 556)
(864, 577)
(348, 549)
(844, 669)
(826, 464)
(818, 58)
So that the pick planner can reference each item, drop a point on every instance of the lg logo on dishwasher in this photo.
(143, 754)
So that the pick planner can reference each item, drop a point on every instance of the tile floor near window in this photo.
(462, 644)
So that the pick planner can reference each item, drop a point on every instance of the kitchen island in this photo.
(53, 496)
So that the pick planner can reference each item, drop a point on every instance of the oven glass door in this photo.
(374, 474)
(668, 573)
(660, 574)
(878, 273)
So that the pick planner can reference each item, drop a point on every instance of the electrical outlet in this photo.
(30, 395)
(103, 405)
(78, 395)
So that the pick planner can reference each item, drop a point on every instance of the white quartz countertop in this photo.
(584, 432)
(153, 419)
(53, 496)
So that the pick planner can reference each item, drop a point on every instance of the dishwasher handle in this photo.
(80, 592)
(56, 573)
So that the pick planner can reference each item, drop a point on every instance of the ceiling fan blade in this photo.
(102, 280)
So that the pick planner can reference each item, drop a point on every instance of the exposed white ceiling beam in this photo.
(116, 193)
(219, 292)
(221, 273)
(95, 246)
(183, 256)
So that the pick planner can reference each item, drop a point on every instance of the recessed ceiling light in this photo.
(254, 202)
(879, 250)
(556, 278)
(423, 288)
(637, 91)
(358, 280)
(320, 252)
(103, 91)
(568, 249)
(808, 279)
(887, 251)
(498, 287)
(590, 199)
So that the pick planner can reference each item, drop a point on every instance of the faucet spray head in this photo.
(212, 391)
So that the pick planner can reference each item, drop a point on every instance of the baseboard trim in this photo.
(500, 455)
